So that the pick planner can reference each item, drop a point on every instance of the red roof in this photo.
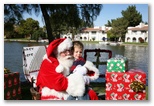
(144, 28)
(93, 29)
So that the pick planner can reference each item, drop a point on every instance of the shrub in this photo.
(141, 40)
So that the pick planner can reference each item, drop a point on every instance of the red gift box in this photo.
(118, 85)
(125, 95)
(12, 88)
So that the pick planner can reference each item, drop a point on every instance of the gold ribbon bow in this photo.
(137, 86)
(6, 71)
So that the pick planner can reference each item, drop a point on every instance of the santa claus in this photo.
(54, 78)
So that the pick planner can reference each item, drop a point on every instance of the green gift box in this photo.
(117, 64)
(12, 88)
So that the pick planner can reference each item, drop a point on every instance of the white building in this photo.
(135, 33)
(90, 34)
(100, 34)
(68, 35)
(93, 34)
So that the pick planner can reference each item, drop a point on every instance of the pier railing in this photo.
(98, 61)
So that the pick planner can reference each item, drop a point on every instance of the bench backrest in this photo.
(32, 58)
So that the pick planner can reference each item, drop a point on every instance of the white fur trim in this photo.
(46, 57)
(51, 92)
(76, 85)
(66, 44)
(59, 68)
(90, 66)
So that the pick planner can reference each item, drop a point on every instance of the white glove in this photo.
(86, 80)
(80, 70)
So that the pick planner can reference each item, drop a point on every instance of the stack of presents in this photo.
(12, 88)
(123, 83)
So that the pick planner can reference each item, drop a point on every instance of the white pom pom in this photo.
(59, 68)
(45, 57)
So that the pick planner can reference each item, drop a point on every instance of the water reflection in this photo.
(137, 55)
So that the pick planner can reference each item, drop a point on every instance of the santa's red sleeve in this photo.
(73, 84)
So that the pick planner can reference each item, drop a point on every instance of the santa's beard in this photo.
(66, 62)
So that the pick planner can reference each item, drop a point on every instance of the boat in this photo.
(114, 43)
(105, 43)
(43, 40)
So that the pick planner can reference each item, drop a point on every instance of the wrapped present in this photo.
(12, 88)
(126, 77)
(126, 86)
(127, 95)
(117, 64)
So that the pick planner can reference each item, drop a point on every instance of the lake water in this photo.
(137, 56)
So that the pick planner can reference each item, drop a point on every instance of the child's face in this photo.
(77, 52)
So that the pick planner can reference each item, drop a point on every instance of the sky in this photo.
(108, 12)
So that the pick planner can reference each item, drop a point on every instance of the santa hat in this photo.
(60, 45)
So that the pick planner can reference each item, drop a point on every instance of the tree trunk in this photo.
(47, 22)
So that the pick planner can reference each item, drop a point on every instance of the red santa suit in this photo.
(55, 85)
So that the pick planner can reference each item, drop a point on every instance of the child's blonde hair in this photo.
(78, 44)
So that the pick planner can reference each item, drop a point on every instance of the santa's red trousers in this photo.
(92, 95)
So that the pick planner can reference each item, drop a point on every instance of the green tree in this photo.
(13, 13)
(66, 25)
(27, 27)
(38, 34)
(132, 16)
(10, 18)
(88, 12)
(108, 24)
(119, 28)
(8, 29)
(109, 34)
(146, 22)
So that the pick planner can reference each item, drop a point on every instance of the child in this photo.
(79, 60)
(77, 53)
